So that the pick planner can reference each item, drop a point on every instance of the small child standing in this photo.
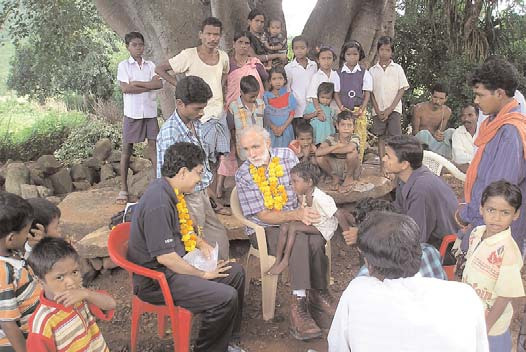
(326, 57)
(302, 146)
(304, 179)
(64, 318)
(322, 119)
(18, 287)
(356, 85)
(494, 261)
(276, 42)
(46, 218)
(339, 157)
(389, 85)
(279, 109)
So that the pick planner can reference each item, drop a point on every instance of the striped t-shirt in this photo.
(55, 327)
(19, 294)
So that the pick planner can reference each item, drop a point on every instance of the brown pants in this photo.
(308, 263)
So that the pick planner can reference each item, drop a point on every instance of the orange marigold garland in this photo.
(188, 235)
(274, 194)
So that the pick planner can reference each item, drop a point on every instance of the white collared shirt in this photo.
(367, 78)
(320, 77)
(463, 146)
(298, 80)
(387, 83)
(411, 314)
(142, 105)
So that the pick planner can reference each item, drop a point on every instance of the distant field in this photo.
(7, 50)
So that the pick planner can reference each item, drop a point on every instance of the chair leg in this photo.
(161, 324)
(136, 316)
(269, 285)
(182, 328)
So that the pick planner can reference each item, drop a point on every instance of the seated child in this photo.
(302, 146)
(46, 218)
(339, 155)
(304, 179)
(322, 120)
(494, 261)
(65, 318)
(276, 43)
(19, 288)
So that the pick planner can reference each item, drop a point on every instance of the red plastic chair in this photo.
(446, 242)
(180, 318)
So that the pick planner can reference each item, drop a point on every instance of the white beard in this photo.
(257, 162)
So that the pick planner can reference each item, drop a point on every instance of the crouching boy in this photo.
(65, 318)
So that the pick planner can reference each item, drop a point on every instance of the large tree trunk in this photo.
(342, 20)
(231, 24)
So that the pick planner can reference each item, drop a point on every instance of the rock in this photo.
(81, 185)
(139, 164)
(55, 200)
(137, 183)
(17, 174)
(115, 157)
(36, 174)
(117, 169)
(94, 245)
(44, 192)
(102, 149)
(46, 182)
(367, 186)
(93, 176)
(28, 191)
(48, 164)
(79, 172)
(235, 230)
(106, 172)
(88, 272)
(108, 264)
(62, 182)
(96, 263)
(93, 163)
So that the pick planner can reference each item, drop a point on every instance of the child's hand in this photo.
(35, 235)
(320, 115)
(71, 297)
(350, 236)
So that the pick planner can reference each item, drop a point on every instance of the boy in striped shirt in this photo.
(65, 318)
(19, 291)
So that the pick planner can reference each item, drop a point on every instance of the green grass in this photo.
(7, 50)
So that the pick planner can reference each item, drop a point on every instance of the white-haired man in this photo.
(312, 306)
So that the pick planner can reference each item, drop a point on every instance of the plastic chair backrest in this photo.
(435, 162)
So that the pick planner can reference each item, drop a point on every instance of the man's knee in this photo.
(317, 243)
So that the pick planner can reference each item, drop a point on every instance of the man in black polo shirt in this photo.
(155, 243)
(420, 194)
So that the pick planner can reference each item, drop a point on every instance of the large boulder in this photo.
(106, 172)
(28, 191)
(62, 182)
(115, 157)
(48, 164)
(367, 186)
(139, 182)
(79, 172)
(94, 244)
(36, 174)
(93, 163)
(139, 164)
(102, 149)
(17, 174)
(81, 185)
(44, 192)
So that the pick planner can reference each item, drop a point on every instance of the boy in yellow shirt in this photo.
(494, 261)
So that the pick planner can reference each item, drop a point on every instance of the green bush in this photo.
(80, 142)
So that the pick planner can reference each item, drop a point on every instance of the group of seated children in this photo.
(44, 306)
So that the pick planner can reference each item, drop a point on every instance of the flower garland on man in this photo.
(162, 232)
(266, 198)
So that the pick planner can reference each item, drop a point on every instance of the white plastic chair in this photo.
(269, 283)
(436, 162)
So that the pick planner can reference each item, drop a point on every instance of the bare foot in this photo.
(335, 184)
(277, 268)
(347, 184)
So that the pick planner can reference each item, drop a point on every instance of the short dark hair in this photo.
(132, 35)
(47, 252)
(344, 115)
(326, 48)
(241, 34)
(351, 44)
(440, 88)
(304, 127)
(299, 38)
(325, 88)
(390, 243)
(277, 69)
(44, 211)
(307, 171)
(212, 21)
(407, 148)
(179, 155)
(275, 20)
(467, 105)
(249, 84)
(368, 205)
(15, 213)
(255, 12)
(385, 40)
(497, 73)
(509, 191)
(193, 89)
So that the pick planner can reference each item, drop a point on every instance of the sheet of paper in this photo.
(198, 260)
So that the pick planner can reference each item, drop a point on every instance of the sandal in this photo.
(223, 211)
(122, 198)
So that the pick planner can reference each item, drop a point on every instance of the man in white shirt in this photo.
(463, 139)
(137, 80)
(395, 309)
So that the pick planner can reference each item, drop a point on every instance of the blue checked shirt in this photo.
(173, 131)
(250, 197)
(431, 265)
